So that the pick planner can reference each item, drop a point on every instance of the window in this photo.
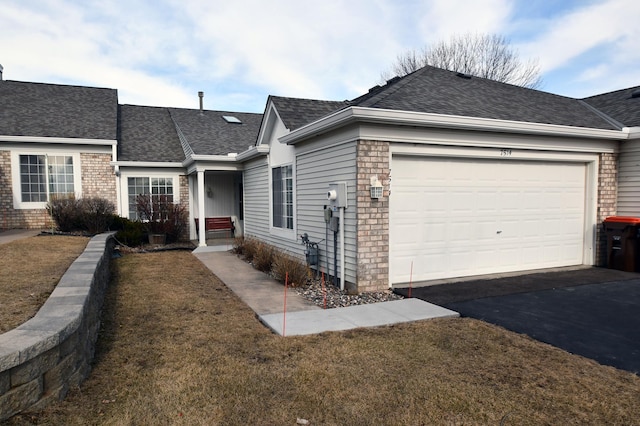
(282, 187)
(156, 186)
(43, 176)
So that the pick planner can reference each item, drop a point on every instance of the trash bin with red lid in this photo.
(623, 237)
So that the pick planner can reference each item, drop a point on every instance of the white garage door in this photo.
(457, 217)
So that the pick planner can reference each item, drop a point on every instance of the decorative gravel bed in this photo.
(335, 298)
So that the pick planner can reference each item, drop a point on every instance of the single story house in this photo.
(432, 176)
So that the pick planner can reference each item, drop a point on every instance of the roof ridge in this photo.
(378, 93)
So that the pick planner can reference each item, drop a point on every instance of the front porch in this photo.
(214, 194)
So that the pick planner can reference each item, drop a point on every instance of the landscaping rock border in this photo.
(43, 358)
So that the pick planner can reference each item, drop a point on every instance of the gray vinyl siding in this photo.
(314, 171)
(257, 223)
(629, 180)
(256, 198)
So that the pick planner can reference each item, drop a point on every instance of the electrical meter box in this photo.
(337, 195)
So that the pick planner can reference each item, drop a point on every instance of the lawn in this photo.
(31, 268)
(178, 347)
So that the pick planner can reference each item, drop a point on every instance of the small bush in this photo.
(249, 249)
(263, 257)
(92, 215)
(96, 214)
(65, 213)
(297, 270)
(161, 216)
(238, 246)
(130, 233)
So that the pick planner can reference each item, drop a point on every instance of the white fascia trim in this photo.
(253, 152)
(634, 132)
(54, 140)
(421, 119)
(149, 164)
(270, 115)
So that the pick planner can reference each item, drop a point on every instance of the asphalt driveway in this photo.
(593, 312)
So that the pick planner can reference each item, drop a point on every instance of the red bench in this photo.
(212, 224)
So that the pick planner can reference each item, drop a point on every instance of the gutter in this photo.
(421, 119)
(56, 140)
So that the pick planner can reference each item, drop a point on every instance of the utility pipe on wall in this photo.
(341, 229)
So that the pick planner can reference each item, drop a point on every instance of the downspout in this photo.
(116, 172)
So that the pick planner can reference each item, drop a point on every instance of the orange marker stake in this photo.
(324, 292)
(410, 279)
(284, 314)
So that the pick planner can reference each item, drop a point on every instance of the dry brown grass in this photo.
(177, 347)
(31, 268)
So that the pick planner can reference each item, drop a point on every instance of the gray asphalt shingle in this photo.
(296, 112)
(53, 110)
(434, 90)
(619, 105)
(147, 134)
(210, 134)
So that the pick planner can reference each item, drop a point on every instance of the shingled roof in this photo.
(147, 134)
(620, 105)
(296, 112)
(52, 110)
(208, 133)
(434, 90)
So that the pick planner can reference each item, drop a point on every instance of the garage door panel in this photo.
(470, 217)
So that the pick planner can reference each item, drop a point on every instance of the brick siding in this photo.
(97, 175)
(97, 181)
(372, 217)
(607, 201)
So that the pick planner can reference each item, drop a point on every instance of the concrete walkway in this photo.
(266, 297)
(17, 234)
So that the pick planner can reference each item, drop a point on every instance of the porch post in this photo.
(202, 233)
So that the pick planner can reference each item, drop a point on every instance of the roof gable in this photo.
(58, 111)
(434, 90)
(296, 112)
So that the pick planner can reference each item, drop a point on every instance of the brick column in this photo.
(607, 200)
(372, 217)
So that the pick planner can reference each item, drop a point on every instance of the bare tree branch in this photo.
(482, 55)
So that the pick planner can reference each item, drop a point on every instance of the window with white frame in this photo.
(156, 187)
(45, 176)
(282, 196)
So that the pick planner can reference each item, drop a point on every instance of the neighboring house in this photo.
(477, 176)
(54, 140)
(624, 107)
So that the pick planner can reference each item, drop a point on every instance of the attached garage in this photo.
(457, 216)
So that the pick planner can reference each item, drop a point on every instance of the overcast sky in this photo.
(162, 52)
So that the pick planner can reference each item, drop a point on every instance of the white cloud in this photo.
(162, 52)
(610, 24)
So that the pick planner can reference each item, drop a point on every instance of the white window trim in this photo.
(18, 204)
(274, 230)
(124, 187)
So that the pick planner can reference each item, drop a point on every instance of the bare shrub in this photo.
(249, 249)
(263, 256)
(284, 264)
(96, 214)
(239, 245)
(92, 214)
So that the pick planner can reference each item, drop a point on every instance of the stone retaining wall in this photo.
(52, 352)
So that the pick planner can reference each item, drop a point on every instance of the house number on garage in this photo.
(505, 153)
